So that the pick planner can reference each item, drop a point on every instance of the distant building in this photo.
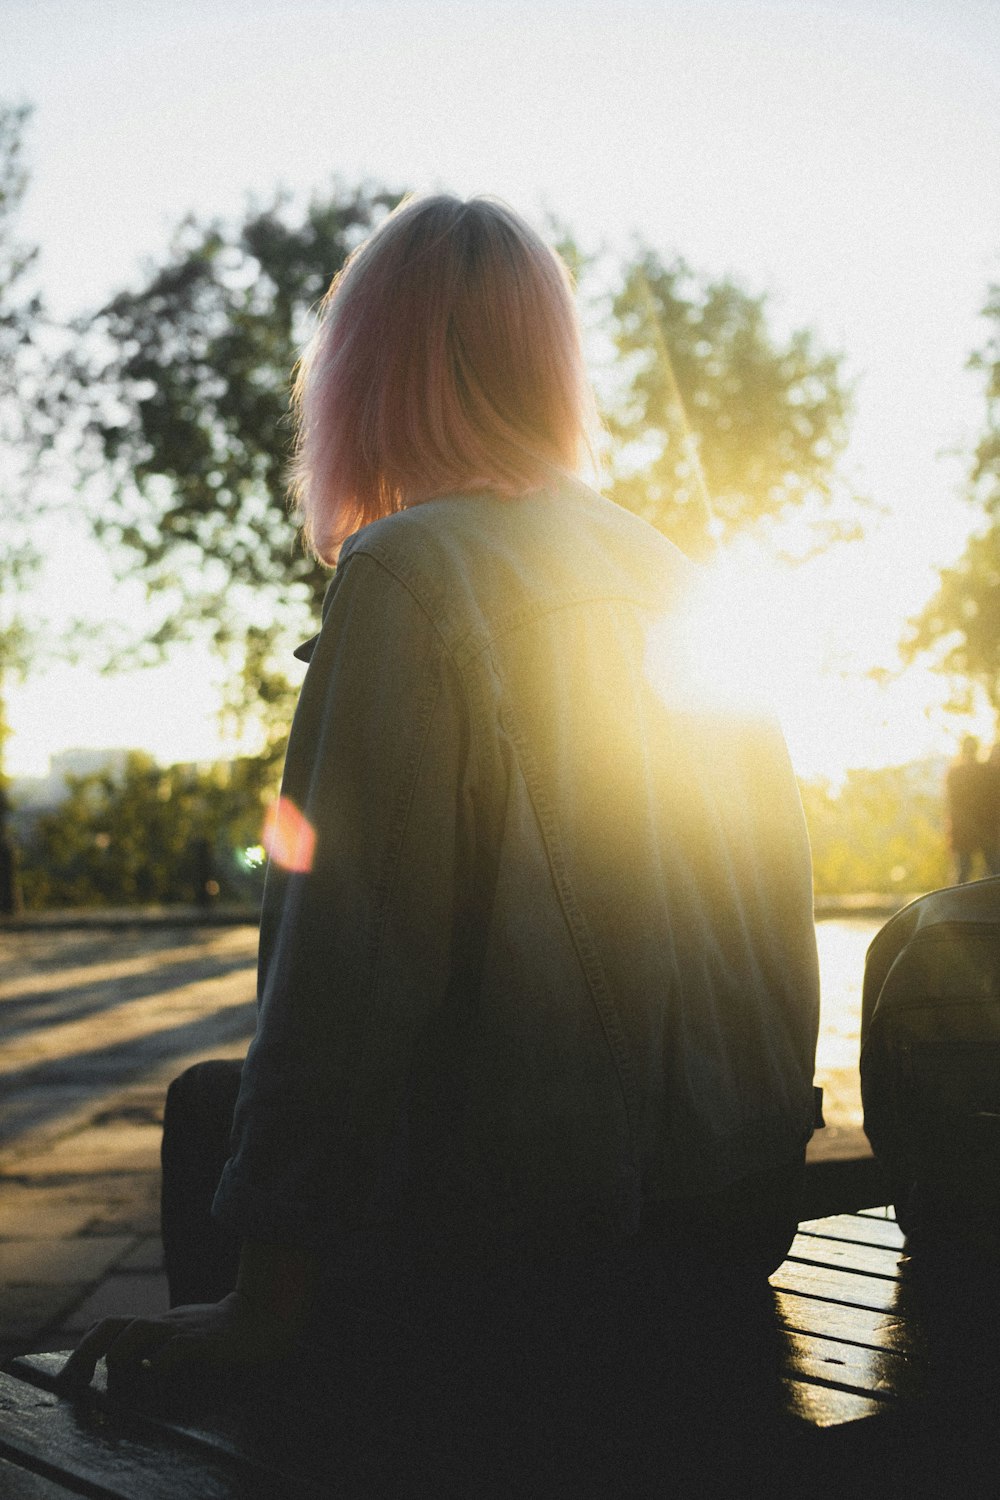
(35, 794)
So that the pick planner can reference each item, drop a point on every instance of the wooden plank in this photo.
(853, 1325)
(855, 1367)
(21, 1484)
(868, 1260)
(846, 1287)
(115, 1455)
(822, 1406)
(857, 1229)
(267, 1443)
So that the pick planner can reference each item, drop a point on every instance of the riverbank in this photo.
(867, 904)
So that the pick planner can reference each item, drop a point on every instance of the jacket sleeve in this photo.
(356, 948)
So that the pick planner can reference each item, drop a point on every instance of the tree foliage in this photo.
(183, 386)
(20, 317)
(720, 425)
(882, 830)
(961, 623)
(20, 309)
(149, 835)
(146, 834)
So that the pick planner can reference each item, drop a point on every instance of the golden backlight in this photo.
(815, 644)
(716, 653)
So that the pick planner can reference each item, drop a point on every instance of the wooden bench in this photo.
(885, 1387)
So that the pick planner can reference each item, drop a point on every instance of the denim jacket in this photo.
(552, 962)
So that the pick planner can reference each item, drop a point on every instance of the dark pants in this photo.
(745, 1230)
(201, 1260)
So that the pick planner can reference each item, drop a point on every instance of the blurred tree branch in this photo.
(960, 625)
(20, 317)
(180, 395)
(720, 426)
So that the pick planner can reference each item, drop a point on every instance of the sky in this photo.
(842, 157)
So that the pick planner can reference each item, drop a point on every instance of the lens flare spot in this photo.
(289, 837)
(713, 653)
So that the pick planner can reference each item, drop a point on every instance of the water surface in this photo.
(842, 944)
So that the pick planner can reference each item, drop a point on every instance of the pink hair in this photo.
(447, 360)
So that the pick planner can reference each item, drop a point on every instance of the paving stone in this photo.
(146, 1256)
(135, 1107)
(135, 1295)
(125, 1218)
(39, 1213)
(26, 1310)
(131, 1148)
(38, 1262)
(96, 1025)
(34, 1108)
(101, 1188)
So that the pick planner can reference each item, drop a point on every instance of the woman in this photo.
(538, 982)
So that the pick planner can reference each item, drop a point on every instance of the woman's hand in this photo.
(230, 1334)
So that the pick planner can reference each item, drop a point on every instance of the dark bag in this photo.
(930, 1066)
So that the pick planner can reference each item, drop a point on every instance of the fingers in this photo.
(128, 1345)
(134, 1348)
(140, 1350)
(78, 1371)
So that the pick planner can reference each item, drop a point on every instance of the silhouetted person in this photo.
(206, 887)
(970, 789)
(538, 991)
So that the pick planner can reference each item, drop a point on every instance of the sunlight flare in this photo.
(719, 653)
(289, 837)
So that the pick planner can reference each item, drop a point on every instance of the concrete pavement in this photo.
(95, 1023)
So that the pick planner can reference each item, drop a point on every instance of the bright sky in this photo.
(842, 155)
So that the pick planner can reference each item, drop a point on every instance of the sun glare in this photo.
(720, 651)
(759, 635)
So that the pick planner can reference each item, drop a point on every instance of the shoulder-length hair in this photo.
(447, 360)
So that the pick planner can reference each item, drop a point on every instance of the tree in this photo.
(720, 425)
(20, 317)
(183, 386)
(882, 830)
(149, 834)
(961, 623)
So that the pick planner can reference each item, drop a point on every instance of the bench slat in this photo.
(265, 1443)
(856, 1367)
(828, 1285)
(854, 1325)
(869, 1260)
(119, 1455)
(857, 1229)
(22, 1484)
(821, 1407)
